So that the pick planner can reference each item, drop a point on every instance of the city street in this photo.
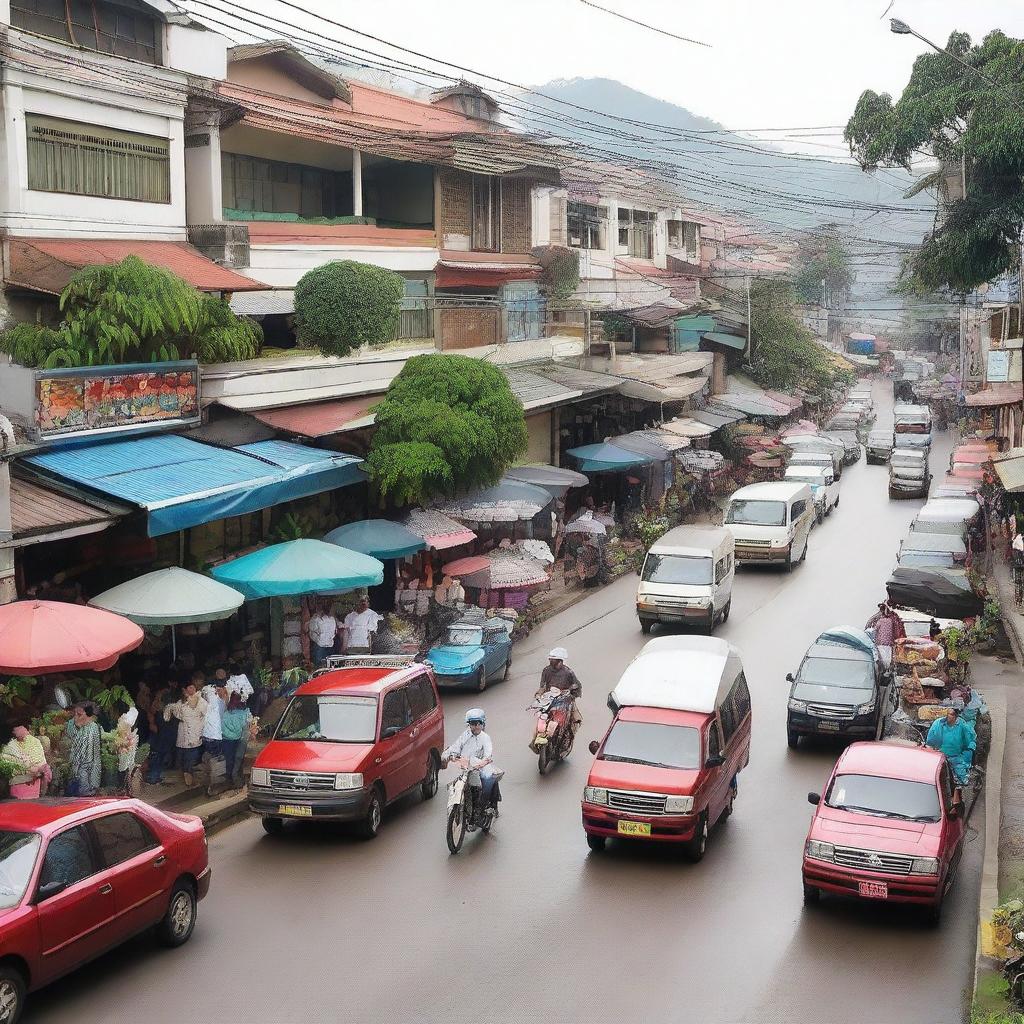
(525, 924)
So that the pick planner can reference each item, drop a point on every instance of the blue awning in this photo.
(721, 338)
(180, 482)
(607, 458)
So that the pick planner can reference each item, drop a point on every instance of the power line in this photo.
(643, 24)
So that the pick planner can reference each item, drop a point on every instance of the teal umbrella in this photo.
(380, 538)
(299, 567)
(603, 458)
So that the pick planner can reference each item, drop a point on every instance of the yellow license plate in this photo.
(296, 810)
(634, 828)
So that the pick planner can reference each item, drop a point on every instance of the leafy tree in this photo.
(965, 117)
(133, 312)
(343, 305)
(447, 424)
(823, 257)
(560, 270)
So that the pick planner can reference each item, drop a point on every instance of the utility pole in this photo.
(750, 347)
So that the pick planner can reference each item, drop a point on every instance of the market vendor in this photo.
(26, 753)
(956, 738)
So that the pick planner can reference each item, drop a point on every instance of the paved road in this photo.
(318, 926)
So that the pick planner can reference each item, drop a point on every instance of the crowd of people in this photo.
(354, 634)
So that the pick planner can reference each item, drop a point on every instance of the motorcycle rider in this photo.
(475, 746)
(557, 675)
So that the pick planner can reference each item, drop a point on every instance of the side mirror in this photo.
(789, 677)
(814, 798)
(715, 761)
(48, 889)
(594, 746)
(389, 731)
(954, 811)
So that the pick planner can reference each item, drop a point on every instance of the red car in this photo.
(889, 827)
(80, 876)
(352, 740)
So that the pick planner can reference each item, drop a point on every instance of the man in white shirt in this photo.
(359, 627)
(216, 700)
(323, 631)
(475, 746)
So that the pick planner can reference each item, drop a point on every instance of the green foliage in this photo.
(8, 770)
(133, 312)
(823, 257)
(293, 527)
(447, 423)
(17, 690)
(343, 305)
(648, 526)
(109, 698)
(560, 270)
(962, 120)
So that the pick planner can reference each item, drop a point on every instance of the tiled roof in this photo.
(536, 391)
(38, 511)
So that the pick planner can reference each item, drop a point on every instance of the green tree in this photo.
(343, 305)
(968, 118)
(133, 312)
(447, 423)
(823, 256)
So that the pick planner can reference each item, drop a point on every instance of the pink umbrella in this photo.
(462, 567)
(37, 637)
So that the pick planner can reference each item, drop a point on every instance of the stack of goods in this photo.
(917, 652)
(703, 461)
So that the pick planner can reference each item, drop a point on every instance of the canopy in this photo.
(850, 636)
(437, 530)
(170, 596)
(380, 538)
(536, 549)
(300, 567)
(587, 524)
(607, 458)
(468, 566)
(1010, 468)
(508, 501)
(37, 637)
(552, 478)
(513, 570)
(945, 592)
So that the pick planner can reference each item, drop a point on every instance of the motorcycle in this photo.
(553, 733)
(463, 792)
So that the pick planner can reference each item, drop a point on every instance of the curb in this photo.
(989, 895)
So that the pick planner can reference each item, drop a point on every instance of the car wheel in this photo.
(645, 626)
(836, 505)
(803, 554)
(370, 825)
(596, 843)
(695, 849)
(273, 826)
(812, 894)
(429, 785)
(933, 914)
(508, 668)
(726, 610)
(792, 739)
(177, 924)
(481, 681)
(12, 994)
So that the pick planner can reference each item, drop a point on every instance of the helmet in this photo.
(559, 653)
(476, 715)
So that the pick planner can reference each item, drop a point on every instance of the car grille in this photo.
(870, 860)
(830, 710)
(638, 803)
(300, 780)
(751, 543)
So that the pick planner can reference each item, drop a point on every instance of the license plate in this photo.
(873, 890)
(828, 727)
(296, 810)
(634, 828)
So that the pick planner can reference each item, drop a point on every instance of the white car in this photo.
(823, 484)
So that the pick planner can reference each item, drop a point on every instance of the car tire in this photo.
(12, 994)
(792, 739)
(932, 914)
(429, 785)
(726, 610)
(176, 927)
(836, 505)
(508, 668)
(695, 848)
(596, 843)
(370, 825)
(645, 626)
(812, 894)
(727, 809)
(803, 554)
(481, 681)
(273, 826)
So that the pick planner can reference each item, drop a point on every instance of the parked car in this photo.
(889, 826)
(908, 473)
(351, 741)
(771, 522)
(850, 440)
(823, 485)
(879, 446)
(841, 688)
(474, 652)
(937, 543)
(666, 768)
(81, 876)
(818, 444)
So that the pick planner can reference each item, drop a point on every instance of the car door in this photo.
(494, 651)
(138, 867)
(423, 706)
(75, 904)
(720, 777)
(952, 827)
(396, 747)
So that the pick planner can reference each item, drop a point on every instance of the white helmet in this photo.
(476, 715)
(559, 654)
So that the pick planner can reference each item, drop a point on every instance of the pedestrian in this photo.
(360, 627)
(238, 682)
(190, 714)
(26, 753)
(888, 627)
(323, 631)
(235, 725)
(82, 734)
(215, 695)
(126, 743)
(956, 738)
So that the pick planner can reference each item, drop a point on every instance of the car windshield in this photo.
(814, 479)
(664, 746)
(849, 672)
(465, 636)
(752, 512)
(17, 858)
(887, 798)
(927, 558)
(329, 719)
(683, 569)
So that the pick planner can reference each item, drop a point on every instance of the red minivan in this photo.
(667, 766)
(352, 740)
(889, 826)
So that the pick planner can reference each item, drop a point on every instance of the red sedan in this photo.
(79, 876)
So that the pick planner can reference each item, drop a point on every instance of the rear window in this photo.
(329, 719)
(18, 852)
(756, 512)
(680, 569)
(885, 798)
(664, 746)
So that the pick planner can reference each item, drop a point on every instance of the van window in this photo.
(714, 743)
(681, 569)
(799, 508)
(396, 712)
(728, 720)
(722, 568)
(735, 708)
(755, 512)
(421, 697)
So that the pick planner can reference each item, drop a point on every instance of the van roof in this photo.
(367, 682)
(774, 490)
(692, 537)
(804, 471)
(890, 761)
(949, 508)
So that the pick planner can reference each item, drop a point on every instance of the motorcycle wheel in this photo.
(456, 831)
(565, 746)
(544, 757)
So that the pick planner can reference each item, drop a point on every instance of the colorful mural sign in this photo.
(103, 397)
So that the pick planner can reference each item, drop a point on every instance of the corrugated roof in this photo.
(38, 512)
(268, 303)
(586, 381)
(995, 394)
(536, 391)
(320, 419)
(1010, 468)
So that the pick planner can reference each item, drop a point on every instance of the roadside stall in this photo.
(609, 466)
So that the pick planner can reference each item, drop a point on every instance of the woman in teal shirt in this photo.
(956, 739)
(235, 730)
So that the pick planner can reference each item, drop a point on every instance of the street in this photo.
(525, 924)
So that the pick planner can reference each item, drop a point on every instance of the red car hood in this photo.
(644, 777)
(887, 835)
(311, 756)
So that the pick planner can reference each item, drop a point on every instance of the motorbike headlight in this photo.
(594, 795)
(348, 780)
(678, 804)
(819, 850)
(797, 705)
(259, 777)
(924, 866)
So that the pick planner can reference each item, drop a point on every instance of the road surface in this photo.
(525, 924)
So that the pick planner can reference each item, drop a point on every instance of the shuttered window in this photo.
(272, 186)
(586, 224)
(89, 160)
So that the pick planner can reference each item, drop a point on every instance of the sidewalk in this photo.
(1013, 619)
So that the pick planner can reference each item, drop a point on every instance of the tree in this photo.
(823, 257)
(344, 305)
(969, 119)
(133, 312)
(447, 424)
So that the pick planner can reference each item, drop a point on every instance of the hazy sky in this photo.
(771, 64)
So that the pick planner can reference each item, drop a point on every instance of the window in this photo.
(121, 837)
(666, 746)
(636, 233)
(798, 509)
(396, 712)
(756, 512)
(714, 742)
(675, 234)
(691, 237)
(421, 698)
(486, 213)
(727, 719)
(90, 160)
(252, 184)
(329, 719)
(721, 569)
(742, 694)
(18, 852)
(946, 785)
(125, 28)
(683, 569)
(416, 320)
(586, 225)
(494, 636)
(69, 858)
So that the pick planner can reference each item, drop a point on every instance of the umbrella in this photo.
(300, 567)
(437, 530)
(587, 524)
(944, 592)
(513, 570)
(537, 549)
(607, 458)
(470, 566)
(37, 637)
(380, 538)
(551, 478)
(508, 501)
(643, 444)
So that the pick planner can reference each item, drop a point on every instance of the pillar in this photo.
(357, 183)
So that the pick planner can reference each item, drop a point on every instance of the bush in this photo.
(344, 305)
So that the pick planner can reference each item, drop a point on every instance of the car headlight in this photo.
(866, 709)
(594, 795)
(348, 780)
(678, 804)
(819, 851)
(259, 777)
(797, 705)
(924, 866)
(780, 543)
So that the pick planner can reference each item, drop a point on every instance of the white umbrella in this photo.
(587, 524)
(508, 501)
(537, 549)
(512, 569)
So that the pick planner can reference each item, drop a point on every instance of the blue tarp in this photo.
(600, 458)
(378, 537)
(180, 482)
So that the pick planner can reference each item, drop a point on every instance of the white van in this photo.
(821, 460)
(687, 578)
(771, 522)
(823, 485)
(836, 450)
